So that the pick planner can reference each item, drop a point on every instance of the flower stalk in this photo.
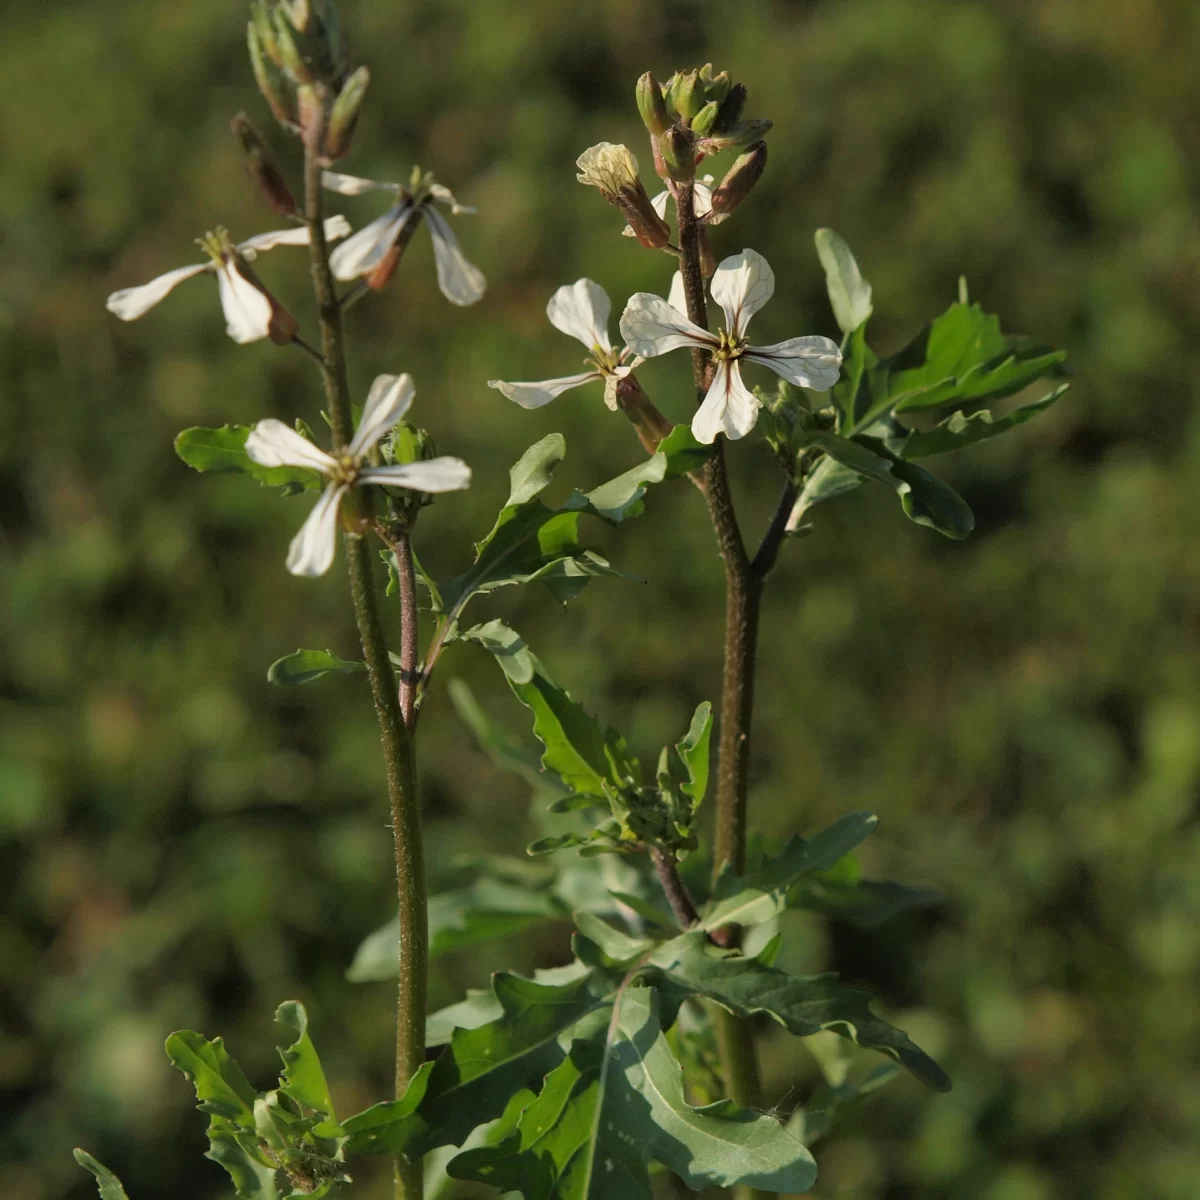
(399, 759)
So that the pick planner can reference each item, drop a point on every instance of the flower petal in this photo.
(651, 326)
(443, 195)
(131, 303)
(313, 548)
(581, 310)
(811, 362)
(677, 297)
(434, 475)
(273, 444)
(534, 395)
(362, 253)
(741, 285)
(335, 227)
(387, 402)
(729, 408)
(248, 309)
(355, 185)
(460, 281)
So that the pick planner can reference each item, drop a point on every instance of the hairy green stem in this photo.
(398, 757)
(743, 588)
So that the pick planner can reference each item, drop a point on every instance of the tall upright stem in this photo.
(398, 757)
(735, 1038)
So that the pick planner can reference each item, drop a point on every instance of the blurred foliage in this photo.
(1020, 709)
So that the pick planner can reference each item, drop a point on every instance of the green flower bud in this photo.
(717, 88)
(679, 153)
(739, 179)
(291, 58)
(744, 133)
(702, 122)
(731, 108)
(263, 167)
(651, 104)
(268, 77)
(685, 93)
(344, 115)
(264, 29)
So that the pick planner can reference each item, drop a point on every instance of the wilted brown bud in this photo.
(739, 179)
(263, 168)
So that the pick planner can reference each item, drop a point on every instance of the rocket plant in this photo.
(587, 1081)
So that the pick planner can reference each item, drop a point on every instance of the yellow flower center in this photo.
(729, 347)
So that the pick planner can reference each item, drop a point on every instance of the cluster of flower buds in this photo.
(299, 61)
(698, 113)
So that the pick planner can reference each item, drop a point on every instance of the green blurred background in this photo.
(187, 846)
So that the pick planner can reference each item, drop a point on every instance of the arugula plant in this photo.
(639, 1056)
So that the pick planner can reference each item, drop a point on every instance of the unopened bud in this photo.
(264, 29)
(263, 167)
(702, 122)
(344, 115)
(685, 93)
(743, 133)
(290, 56)
(299, 13)
(717, 88)
(651, 105)
(268, 77)
(739, 179)
(679, 153)
(731, 107)
(310, 107)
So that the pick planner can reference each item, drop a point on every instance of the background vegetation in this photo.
(1021, 709)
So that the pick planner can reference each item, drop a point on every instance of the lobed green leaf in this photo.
(224, 450)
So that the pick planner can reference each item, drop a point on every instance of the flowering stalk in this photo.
(399, 759)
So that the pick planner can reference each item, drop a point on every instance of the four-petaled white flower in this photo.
(460, 281)
(251, 312)
(741, 285)
(272, 444)
(581, 310)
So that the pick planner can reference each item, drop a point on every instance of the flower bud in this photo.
(264, 29)
(679, 154)
(731, 107)
(268, 77)
(263, 168)
(614, 171)
(651, 104)
(716, 87)
(685, 93)
(739, 179)
(743, 133)
(344, 115)
(702, 122)
(292, 60)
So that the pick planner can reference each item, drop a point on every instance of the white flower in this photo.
(360, 255)
(581, 310)
(741, 285)
(609, 167)
(251, 312)
(272, 444)
(701, 204)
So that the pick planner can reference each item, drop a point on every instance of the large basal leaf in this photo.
(109, 1184)
(480, 1069)
(849, 292)
(615, 1104)
(804, 1006)
(762, 892)
(964, 429)
(577, 749)
(224, 450)
(303, 666)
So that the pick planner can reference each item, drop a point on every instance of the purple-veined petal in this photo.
(433, 475)
(460, 281)
(534, 395)
(313, 548)
(355, 185)
(677, 297)
(361, 253)
(248, 309)
(273, 444)
(581, 310)
(741, 285)
(335, 227)
(729, 408)
(651, 326)
(811, 361)
(387, 402)
(131, 303)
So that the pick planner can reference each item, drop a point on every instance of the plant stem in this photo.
(673, 888)
(735, 1038)
(398, 757)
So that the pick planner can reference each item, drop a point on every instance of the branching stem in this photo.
(398, 755)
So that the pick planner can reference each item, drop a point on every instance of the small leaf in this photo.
(621, 498)
(962, 429)
(619, 948)
(683, 452)
(110, 1185)
(849, 293)
(693, 752)
(386, 1128)
(303, 1078)
(804, 1006)
(303, 666)
(220, 1086)
(224, 450)
(761, 893)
